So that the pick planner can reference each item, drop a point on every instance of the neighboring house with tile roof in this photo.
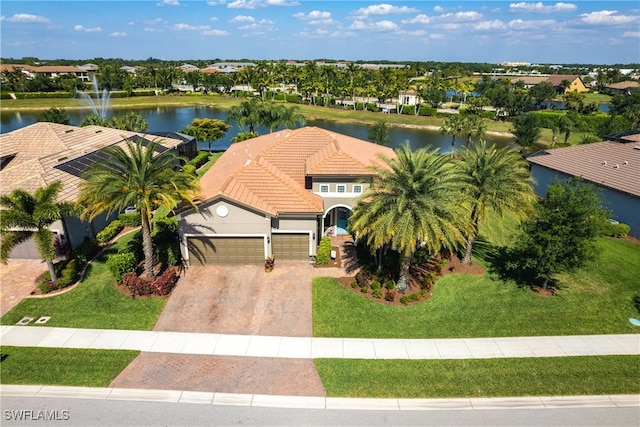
(612, 166)
(37, 155)
(624, 88)
(277, 195)
(575, 82)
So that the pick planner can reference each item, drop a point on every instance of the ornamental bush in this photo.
(615, 230)
(139, 286)
(121, 264)
(109, 232)
(200, 159)
(324, 251)
(129, 219)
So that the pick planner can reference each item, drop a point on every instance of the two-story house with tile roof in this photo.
(277, 195)
(37, 155)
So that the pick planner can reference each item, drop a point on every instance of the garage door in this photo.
(226, 250)
(25, 250)
(290, 246)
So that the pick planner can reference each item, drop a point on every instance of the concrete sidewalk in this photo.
(315, 402)
(311, 348)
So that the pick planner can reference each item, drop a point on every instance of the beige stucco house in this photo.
(37, 155)
(277, 195)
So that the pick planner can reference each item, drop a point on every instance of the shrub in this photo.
(375, 285)
(413, 297)
(615, 230)
(377, 293)
(390, 296)
(364, 289)
(390, 285)
(68, 275)
(165, 240)
(200, 159)
(189, 169)
(45, 287)
(161, 286)
(109, 232)
(129, 219)
(354, 284)
(324, 251)
(121, 264)
(86, 251)
(363, 277)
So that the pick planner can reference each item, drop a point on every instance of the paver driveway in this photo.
(17, 280)
(241, 300)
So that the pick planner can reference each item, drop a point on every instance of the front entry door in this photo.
(343, 218)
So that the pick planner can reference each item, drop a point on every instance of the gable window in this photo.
(324, 188)
(357, 188)
(341, 188)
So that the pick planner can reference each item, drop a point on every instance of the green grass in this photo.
(587, 375)
(94, 304)
(63, 366)
(596, 299)
(212, 159)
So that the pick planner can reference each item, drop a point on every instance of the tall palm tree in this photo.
(473, 127)
(453, 125)
(416, 199)
(26, 215)
(135, 177)
(500, 181)
(246, 114)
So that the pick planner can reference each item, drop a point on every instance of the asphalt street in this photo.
(28, 411)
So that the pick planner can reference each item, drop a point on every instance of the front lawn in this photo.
(552, 376)
(597, 299)
(94, 304)
(63, 366)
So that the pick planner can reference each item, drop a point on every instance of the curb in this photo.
(318, 402)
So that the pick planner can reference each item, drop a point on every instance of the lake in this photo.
(171, 119)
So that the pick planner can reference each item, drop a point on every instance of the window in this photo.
(357, 188)
(341, 188)
(324, 188)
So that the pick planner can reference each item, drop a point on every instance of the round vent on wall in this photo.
(222, 211)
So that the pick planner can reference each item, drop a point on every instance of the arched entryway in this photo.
(335, 220)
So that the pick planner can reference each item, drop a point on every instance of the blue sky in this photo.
(600, 32)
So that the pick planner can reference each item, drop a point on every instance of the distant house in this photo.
(612, 166)
(187, 68)
(37, 155)
(575, 82)
(277, 195)
(409, 97)
(50, 71)
(624, 88)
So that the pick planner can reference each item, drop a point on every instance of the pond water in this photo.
(171, 119)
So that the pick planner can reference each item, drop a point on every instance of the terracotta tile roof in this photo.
(609, 164)
(38, 148)
(268, 172)
(626, 85)
(557, 79)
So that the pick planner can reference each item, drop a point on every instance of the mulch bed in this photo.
(453, 266)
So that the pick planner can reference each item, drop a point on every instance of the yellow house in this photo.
(575, 83)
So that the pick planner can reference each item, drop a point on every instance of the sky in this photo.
(595, 32)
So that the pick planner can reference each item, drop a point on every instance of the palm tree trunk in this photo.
(468, 250)
(52, 271)
(147, 246)
(403, 281)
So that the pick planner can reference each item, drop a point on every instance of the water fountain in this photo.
(101, 103)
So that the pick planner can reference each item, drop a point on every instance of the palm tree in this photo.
(500, 181)
(135, 177)
(416, 199)
(473, 127)
(453, 125)
(246, 114)
(26, 215)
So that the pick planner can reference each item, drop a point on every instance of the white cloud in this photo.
(152, 30)
(374, 26)
(381, 9)
(606, 17)
(519, 24)
(242, 19)
(118, 34)
(153, 21)
(217, 3)
(631, 34)
(213, 19)
(26, 18)
(461, 16)
(418, 19)
(87, 30)
(266, 22)
(254, 4)
(449, 26)
(168, 3)
(417, 33)
(539, 7)
(215, 33)
(318, 33)
(315, 17)
(490, 25)
(186, 27)
(439, 9)
(436, 36)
